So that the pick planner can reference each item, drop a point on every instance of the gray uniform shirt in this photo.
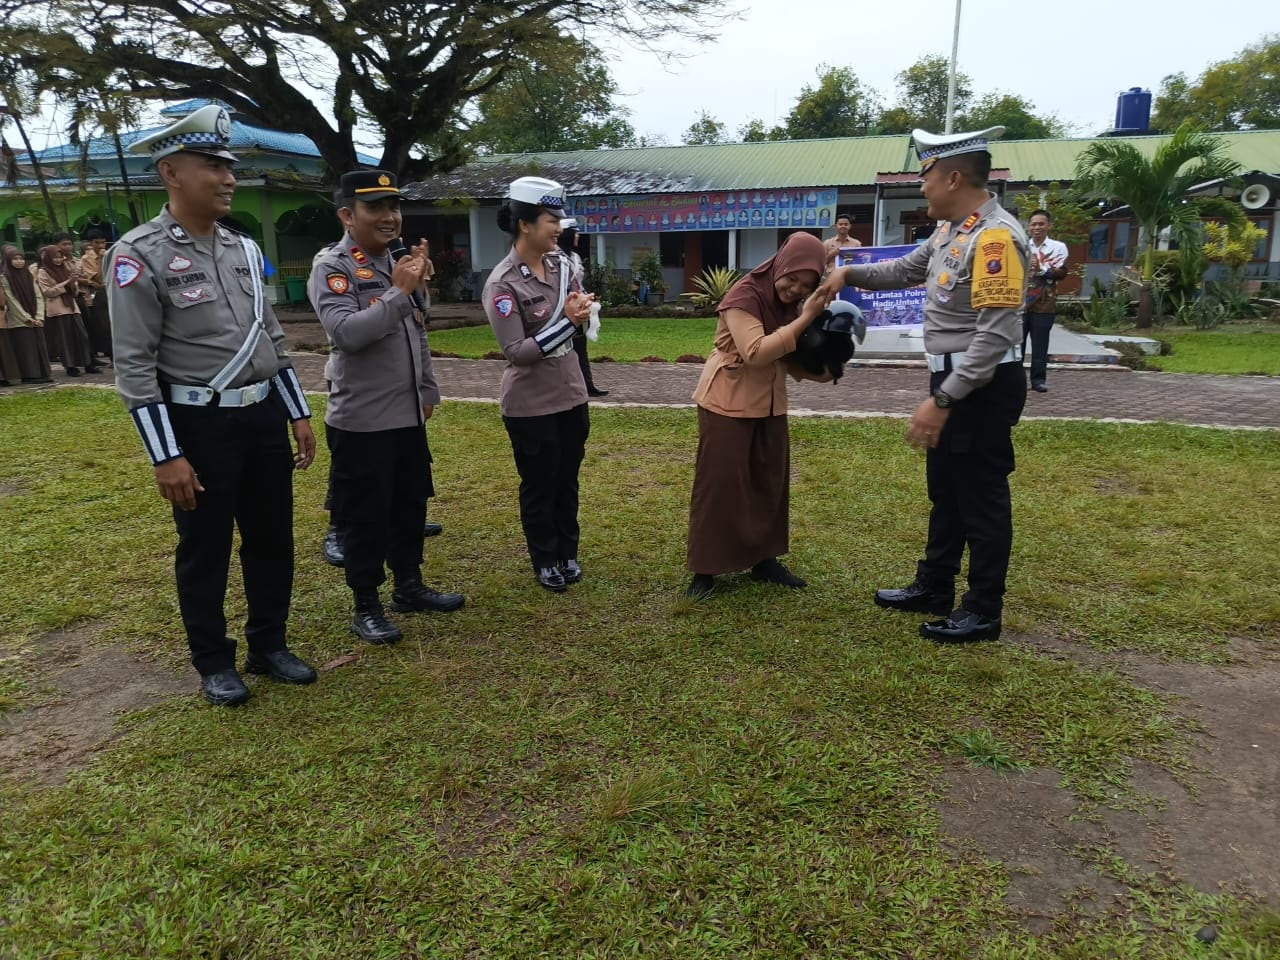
(976, 273)
(539, 378)
(180, 310)
(379, 367)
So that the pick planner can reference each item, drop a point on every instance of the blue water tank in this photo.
(1133, 110)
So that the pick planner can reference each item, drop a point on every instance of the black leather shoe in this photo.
(773, 571)
(93, 368)
(370, 622)
(571, 571)
(224, 688)
(917, 598)
(552, 579)
(331, 550)
(700, 587)
(1039, 388)
(962, 626)
(410, 596)
(432, 529)
(280, 665)
(593, 392)
(73, 371)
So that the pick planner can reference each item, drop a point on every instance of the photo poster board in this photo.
(812, 208)
(886, 309)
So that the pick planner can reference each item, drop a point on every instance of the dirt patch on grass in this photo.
(87, 687)
(1218, 831)
(11, 489)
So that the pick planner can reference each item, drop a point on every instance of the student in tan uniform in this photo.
(841, 241)
(741, 482)
(534, 315)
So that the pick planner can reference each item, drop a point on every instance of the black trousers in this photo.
(580, 348)
(1036, 327)
(548, 452)
(380, 483)
(244, 460)
(968, 482)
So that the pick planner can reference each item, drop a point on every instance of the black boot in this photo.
(370, 622)
(332, 548)
(774, 571)
(919, 597)
(411, 595)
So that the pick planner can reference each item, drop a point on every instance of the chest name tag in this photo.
(998, 273)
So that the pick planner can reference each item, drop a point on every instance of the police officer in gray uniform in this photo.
(382, 392)
(201, 367)
(975, 269)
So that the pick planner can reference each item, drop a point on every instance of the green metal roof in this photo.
(845, 162)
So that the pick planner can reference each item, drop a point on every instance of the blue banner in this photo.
(883, 308)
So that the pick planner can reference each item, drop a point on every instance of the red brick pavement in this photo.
(1118, 394)
(1115, 394)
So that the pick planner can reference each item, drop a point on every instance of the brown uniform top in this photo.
(746, 374)
(542, 374)
(379, 368)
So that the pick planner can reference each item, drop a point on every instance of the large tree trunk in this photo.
(124, 177)
(1146, 304)
(39, 171)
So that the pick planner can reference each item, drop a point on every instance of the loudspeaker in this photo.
(1255, 196)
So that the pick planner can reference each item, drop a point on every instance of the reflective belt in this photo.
(943, 362)
(208, 397)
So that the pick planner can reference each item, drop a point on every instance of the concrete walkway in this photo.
(1116, 393)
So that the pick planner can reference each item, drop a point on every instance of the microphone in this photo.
(399, 251)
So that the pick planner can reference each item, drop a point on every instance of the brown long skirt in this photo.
(738, 514)
(9, 370)
(66, 332)
(32, 352)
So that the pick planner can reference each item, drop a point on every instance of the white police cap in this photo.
(206, 131)
(932, 147)
(569, 223)
(538, 191)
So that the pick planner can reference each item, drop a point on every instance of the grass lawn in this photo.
(615, 772)
(623, 338)
(1239, 348)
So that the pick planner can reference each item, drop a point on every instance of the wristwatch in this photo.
(943, 399)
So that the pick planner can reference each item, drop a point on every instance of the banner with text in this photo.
(807, 208)
(883, 308)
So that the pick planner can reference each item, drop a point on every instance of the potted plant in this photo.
(649, 276)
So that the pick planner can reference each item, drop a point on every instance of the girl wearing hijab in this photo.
(62, 315)
(534, 312)
(24, 317)
(741, 482)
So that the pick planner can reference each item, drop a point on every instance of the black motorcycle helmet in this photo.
(827, 344)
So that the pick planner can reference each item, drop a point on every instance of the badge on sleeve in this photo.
(999, 281)
(127, 270)
(503, 304)
(338, 282)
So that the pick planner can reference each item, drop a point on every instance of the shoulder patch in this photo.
(998, 272)
(338, 282)
(127, 270)
(504, 304)
(358, 255)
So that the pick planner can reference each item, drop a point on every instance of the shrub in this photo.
(713, 285)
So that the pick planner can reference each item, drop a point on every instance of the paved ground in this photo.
(1113, 393)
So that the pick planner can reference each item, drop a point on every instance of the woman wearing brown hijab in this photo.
(24, 317)
(62, 315)
(741, 483)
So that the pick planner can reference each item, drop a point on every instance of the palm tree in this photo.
(1157, 190)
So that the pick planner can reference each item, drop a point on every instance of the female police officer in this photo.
(534, 312)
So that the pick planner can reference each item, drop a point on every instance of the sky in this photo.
(1068, 57)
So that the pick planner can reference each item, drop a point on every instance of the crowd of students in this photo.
(53, 309)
